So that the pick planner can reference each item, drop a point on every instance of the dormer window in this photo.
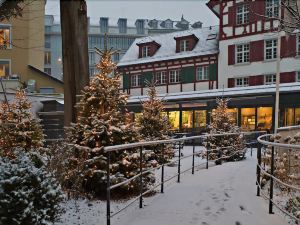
(145, 51)
(184, 45)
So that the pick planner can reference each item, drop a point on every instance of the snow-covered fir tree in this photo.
(103, 121)
(222, 123)
(18, 127)
(154, 125)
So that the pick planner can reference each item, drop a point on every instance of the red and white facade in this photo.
(248, 42)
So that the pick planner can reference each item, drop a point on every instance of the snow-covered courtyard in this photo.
(223, 194)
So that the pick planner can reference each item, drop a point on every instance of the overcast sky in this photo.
(193, 10)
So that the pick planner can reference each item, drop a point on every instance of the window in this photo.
(272, 9)
(91, 58)
(140, 28)
(122, 26)
(47, 29)
(174, 76)
(116, 57)
(242, 82)
(184, 45)
(145, 51)
(161, 77)
(4, 68)
(242, 14)
(5, 37)
(264, 118)
(187, 120)
(47, 58)
(200, 119)
(270, 79)
(298, 76)
(47, 70)
(242, 53)
(136, 80)
(47, 41)
(103, 25)
(271, 49)
(248, 119)
(202, 73)
(169, 24)
(298, 45)
(92, 71)
(174, 119)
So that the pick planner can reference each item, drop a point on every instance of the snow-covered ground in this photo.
(223, 194)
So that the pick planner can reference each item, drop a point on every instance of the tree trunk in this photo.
(74, 34)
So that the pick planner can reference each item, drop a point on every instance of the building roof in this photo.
(46, 75)
(227, 92)
(167, 50)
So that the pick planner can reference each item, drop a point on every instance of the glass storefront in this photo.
(297, 116)
(264, 118)
(174, 119)
(200, 119)
(187, 120)
(289, 117)
(248, 119)
(234, 114)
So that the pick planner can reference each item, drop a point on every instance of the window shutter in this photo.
(231, 16)
(256, 80)
(188, 74)
(231, 54)
(256, 51)
(146, 78)
(213, 70)
(288, 46)
(126, 81)
(287, 77)
(231, 82)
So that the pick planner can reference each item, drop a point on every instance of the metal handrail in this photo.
(275, 144)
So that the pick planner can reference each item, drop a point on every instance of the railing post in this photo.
(207, 152)
(162, 170)
(141, 177)
(179, 157)
(108, 190)
(258, 169)
(193, 163)
(271, 182)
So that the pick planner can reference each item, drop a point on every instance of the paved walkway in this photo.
(222, 195)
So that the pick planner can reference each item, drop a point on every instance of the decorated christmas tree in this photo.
(229, 146)
(154, 125)
(103, 121)
(18, 128)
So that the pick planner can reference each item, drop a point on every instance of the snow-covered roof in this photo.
(167, 50)
(227, 92)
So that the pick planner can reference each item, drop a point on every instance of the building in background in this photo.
(22, 51)
(121, 34)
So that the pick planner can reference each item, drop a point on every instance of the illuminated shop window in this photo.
(200, 119)
(248, 119)
(264, 118)
(174, 119)
(187, 119)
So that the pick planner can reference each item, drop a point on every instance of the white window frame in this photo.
(242, 14)
(272, 49)
(272, 8)
(145, 51)
(9, 63)
(47, 57)
(183, 45)
(161, 77)
(136, 80)
(270, 79)
(242, 81)
(174, 76)
(242, 51)
(9, 46)
(202, 73)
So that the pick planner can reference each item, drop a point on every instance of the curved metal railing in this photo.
(264, 142)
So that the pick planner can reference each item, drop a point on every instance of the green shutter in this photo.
(188, 74)
(126, 81)
(212, 69)
(147, 77)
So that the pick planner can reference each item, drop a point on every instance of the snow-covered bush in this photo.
(28, 193)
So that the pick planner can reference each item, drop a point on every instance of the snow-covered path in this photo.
(221, 195)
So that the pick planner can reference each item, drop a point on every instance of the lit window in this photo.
(47, 58)
(145, 51)
(136, 80)
(242, 14)
(184, 45)
(272, 9)
(202, 73)
(174, 76)
(242, 82)
(161, 77)
(4, 68)
(242, 53)
(271, 49)
(47, 70)
(270, 79)
(5, 37)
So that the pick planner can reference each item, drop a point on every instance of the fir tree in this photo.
(154, 125)
(103, 121)
(18, 128)
(222, 123)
